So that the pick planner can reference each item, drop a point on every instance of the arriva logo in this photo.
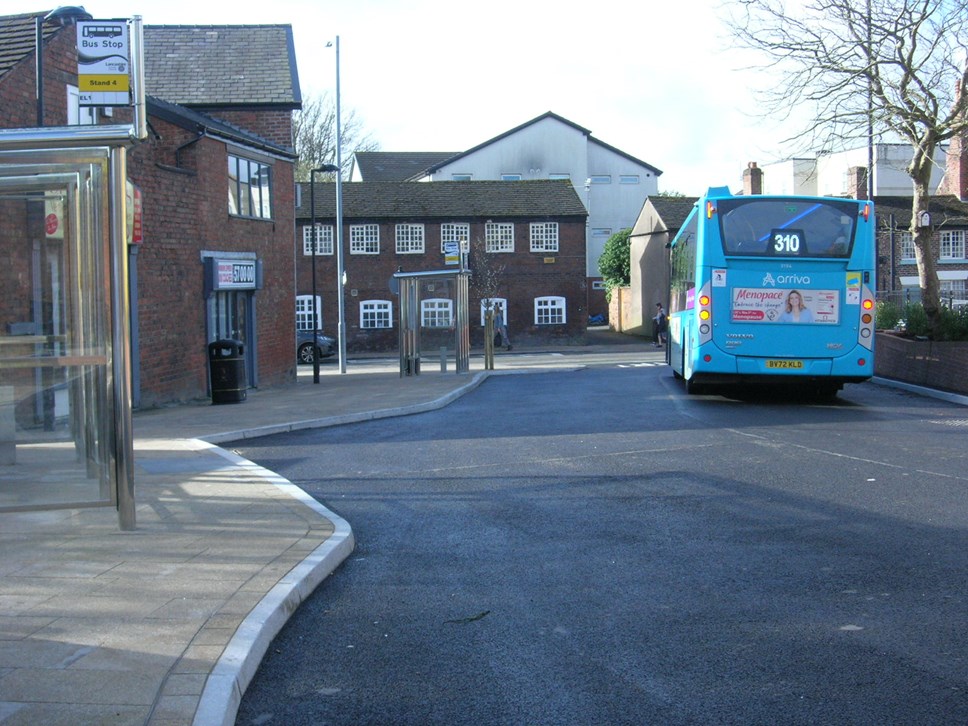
(769, 280)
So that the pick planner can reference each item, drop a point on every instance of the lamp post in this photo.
(340, 264)
(315, 241)
(63, 16)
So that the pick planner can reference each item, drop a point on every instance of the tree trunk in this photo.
(924, 253)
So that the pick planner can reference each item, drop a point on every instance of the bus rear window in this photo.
(787, 227)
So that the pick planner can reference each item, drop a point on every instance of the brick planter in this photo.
(922, 362)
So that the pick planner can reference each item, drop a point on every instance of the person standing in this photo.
(660, 326)
(501, 329)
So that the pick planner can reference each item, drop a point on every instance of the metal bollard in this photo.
(443, 360)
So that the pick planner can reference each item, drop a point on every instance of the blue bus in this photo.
(773, 290)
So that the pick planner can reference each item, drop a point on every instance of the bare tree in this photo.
(486, 275)
(314, 132)
(866, 69)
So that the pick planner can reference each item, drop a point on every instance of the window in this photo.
(453, 232)
(628, 179)
(602, 232)
(907, 245)
(953, 245)
(499, 236)
(364, 239)
(304, 312)
(410, 239)
(324, 239)
(559, 176)
(510, 177)
(376, 314)
(544, 236)
(249, 188)
(952, 289)
(497, 303)
(601, 179)
(436, 313)
(78, 115)
(460, 177)
(549, 310)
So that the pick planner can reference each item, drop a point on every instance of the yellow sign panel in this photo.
(103, 82)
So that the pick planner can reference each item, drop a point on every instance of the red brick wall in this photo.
(272, 124)
(186, 212)
(923, 363)
(18, 97)
(527, 275)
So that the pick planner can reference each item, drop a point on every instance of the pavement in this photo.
(167, 624)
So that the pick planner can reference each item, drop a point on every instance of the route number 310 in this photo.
(787, 242)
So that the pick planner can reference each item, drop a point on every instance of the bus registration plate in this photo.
(796, 364)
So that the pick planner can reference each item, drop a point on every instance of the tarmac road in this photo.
(596, 547)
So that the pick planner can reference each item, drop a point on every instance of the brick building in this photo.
(215, 184)
(531, 234)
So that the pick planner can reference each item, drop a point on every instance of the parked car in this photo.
(325, 346)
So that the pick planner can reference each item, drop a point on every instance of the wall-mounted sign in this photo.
(232, 274)
(103, 63)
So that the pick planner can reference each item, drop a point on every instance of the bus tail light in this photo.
(704, 312)
(865, 330)
(866, 212)
(710, 210)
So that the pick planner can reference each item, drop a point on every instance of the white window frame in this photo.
(957, 289)
(496, 302)
(906, 242)
(511, 177)
(304, 312)
(499, 237)
(454, 232)
(550, 310)
(364, 239)
(436, 312)
(544, 236)
(628, 179)
(410, 239)
(461, 177)
(558, 175)
(324, 239)
(953, 244)
(601, 178)
(373, 312)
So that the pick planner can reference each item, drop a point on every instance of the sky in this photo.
(658, 81)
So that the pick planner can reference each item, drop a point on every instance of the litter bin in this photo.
(227, 371)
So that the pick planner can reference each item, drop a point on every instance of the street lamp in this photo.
(340, 267)
(315, 241)
(63, 16)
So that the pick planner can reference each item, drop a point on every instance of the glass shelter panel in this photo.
(56, 402)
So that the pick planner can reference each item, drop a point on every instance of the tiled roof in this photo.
(945, 209)
(673, 210)
(222, 65)
(397, 165)
(18, 37)
(445, 200)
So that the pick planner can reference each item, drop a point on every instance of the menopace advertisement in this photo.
(785, 305)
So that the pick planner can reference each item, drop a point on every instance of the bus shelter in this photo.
(433, 307)
(65, 392)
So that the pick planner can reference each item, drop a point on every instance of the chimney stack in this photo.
(955, 179)
(752, 179)
(857, 182)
